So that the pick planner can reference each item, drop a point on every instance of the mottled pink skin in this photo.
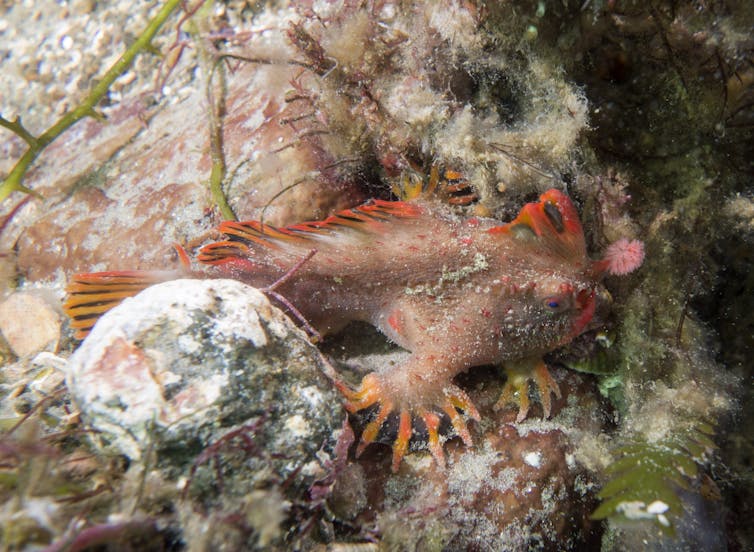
(447, 289)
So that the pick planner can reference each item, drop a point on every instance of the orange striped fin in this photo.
(222, 252)
(364, 218)
(255, 231)
(92, 295)
(554, 220)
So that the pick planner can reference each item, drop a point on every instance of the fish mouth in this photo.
(598, 295)
(583, 298)
(586, 301)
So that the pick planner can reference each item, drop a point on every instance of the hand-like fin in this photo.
(92, 295)
(369, 217)
(516, 390)
(374, 390)
(553, 221)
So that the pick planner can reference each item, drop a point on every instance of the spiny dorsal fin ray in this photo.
(552, 221)
(221, 252)
(365, 218)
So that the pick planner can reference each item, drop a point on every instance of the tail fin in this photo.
(92, 295)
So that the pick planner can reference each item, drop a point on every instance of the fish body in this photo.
(455, 292)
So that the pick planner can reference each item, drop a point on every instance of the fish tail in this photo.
(92, 295)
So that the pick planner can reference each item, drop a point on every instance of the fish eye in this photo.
(555, 304)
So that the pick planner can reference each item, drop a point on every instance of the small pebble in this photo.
(29, 324)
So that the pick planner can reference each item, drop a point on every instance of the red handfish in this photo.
(456, 293)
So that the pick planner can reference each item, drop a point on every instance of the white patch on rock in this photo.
(313, 396)
(297, 426)
(657, 507)
(188, 344)
(533, 459)
(241, 324)
(470, 473)
(636, 509)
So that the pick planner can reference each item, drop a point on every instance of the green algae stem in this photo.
(216, 103)
(14, 180)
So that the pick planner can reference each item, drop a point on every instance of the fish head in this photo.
(559, 287)
(548, 313)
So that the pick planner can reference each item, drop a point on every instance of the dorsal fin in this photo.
(365, 218)
(221, 252)
(553, 221)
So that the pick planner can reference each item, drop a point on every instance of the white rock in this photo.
(187, 362)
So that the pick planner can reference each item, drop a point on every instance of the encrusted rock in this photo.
(520, 486)
(215, 381)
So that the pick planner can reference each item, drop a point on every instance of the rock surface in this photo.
(119, 193)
